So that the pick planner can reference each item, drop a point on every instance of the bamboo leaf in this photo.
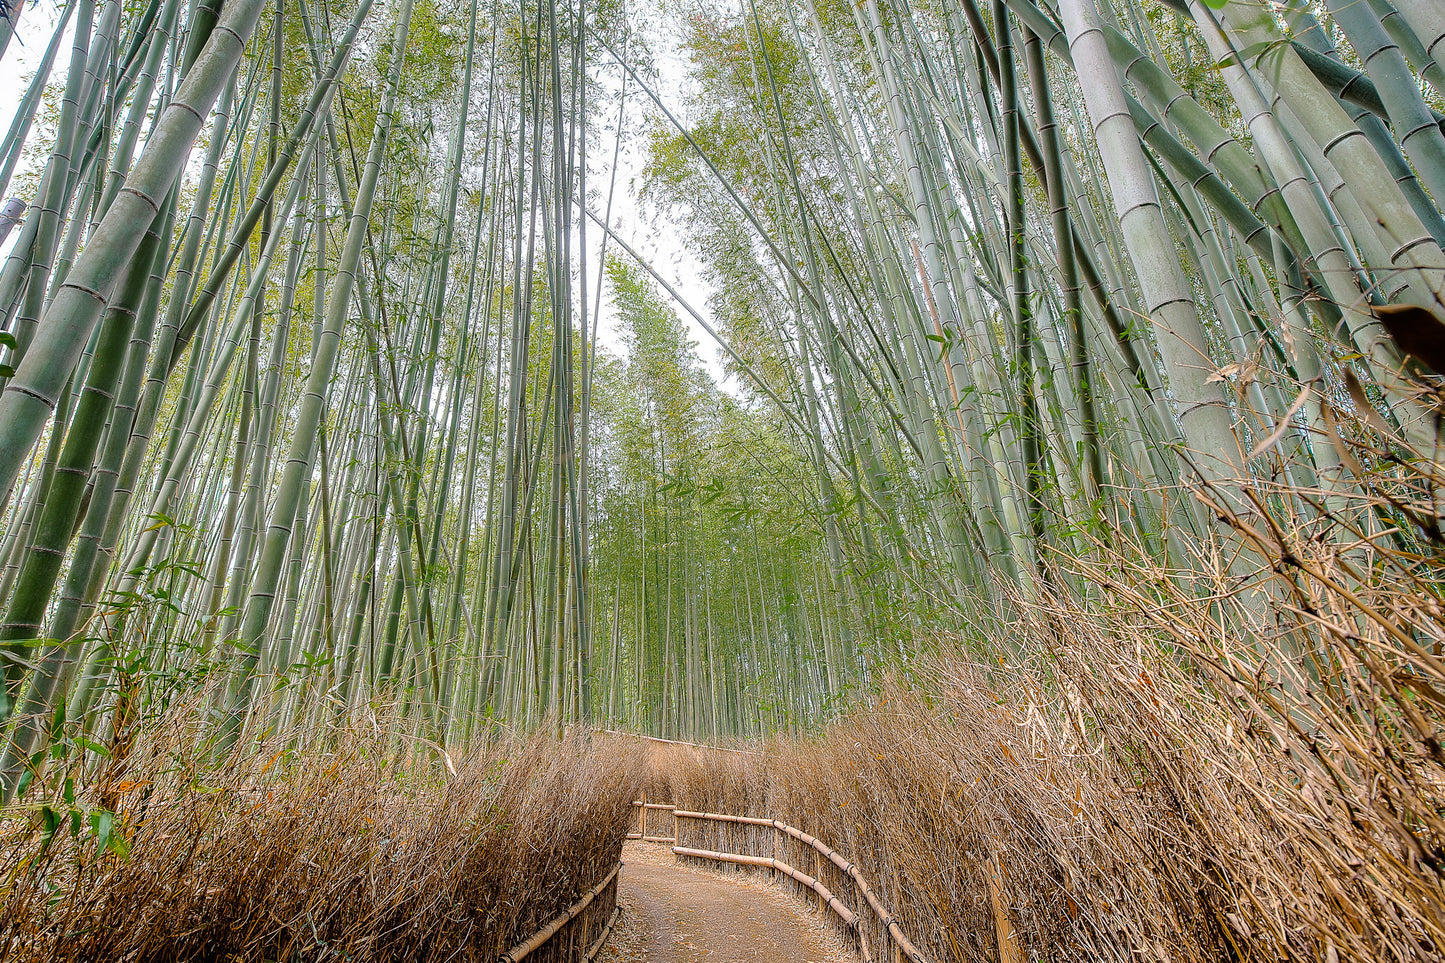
(1285, 424)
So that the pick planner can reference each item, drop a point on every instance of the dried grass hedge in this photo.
(352, 854)
(1153, 781)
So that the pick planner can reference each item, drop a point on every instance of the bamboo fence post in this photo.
(818, 875)
(777, 846)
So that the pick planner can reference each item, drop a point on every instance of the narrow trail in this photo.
(677, 914)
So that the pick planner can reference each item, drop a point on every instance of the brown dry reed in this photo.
(361, 852)
(1238, 766)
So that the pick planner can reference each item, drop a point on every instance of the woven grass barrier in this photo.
(579, 932)
(352, 854)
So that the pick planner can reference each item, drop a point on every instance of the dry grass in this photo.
(1251, 772)
(354, 853)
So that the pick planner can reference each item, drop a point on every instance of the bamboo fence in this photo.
(644, 807)
(574, 927)
(834, 880)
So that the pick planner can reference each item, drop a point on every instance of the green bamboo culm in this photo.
(989, 291)
(274, 547)
(29, 399)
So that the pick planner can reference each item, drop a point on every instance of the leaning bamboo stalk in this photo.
(28, 269)
(31, 397)
(288, 499)
(13, 145)
(1009, 950)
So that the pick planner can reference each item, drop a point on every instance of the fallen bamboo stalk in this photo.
(675, 742)
(522, 950)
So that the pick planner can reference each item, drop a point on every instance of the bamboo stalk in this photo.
(1009, 950)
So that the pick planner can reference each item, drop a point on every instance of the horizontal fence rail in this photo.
(574, 926)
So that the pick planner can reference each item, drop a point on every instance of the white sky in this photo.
(37, 23)
(650, 232)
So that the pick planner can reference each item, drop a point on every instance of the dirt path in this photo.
(677, 914)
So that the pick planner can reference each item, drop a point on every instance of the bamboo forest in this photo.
(1001, 441)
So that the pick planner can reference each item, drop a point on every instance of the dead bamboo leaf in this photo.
(1284, 425)
(1418, 331)
(1362, 403)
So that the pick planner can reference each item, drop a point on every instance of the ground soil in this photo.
(673, 913)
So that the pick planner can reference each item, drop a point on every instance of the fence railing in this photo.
(789, 851)
(574, 928)
(654, 812)
(771, 844)
(834, 882)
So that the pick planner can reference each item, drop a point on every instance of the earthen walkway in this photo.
(677, 914)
